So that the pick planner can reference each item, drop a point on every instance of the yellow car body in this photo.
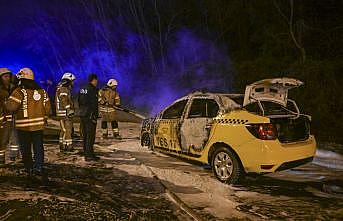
(228, 129)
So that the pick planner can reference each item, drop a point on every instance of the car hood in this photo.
(274, 90)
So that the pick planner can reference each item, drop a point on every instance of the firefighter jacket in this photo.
(108, 99)
(6, 117)
(31, 105)
(64, 101)
(88, 102)
(3, 111)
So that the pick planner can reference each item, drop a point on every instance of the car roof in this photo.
(226, 101)
(199, 94)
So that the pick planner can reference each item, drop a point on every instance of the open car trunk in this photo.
(269, 98)
(292, 129)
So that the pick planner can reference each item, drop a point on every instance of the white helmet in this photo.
(68, 76)
(26, 73)
(4, 71)
(112, 83)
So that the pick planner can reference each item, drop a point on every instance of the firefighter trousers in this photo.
(26, 140)
(66, 132)
(114, 125)
(5, 133)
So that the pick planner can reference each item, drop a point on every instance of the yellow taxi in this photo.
(261, 131)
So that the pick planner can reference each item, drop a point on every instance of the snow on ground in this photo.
(329, 159)
(121, 186)
(314, 188)
(116, 187)
(191, 183)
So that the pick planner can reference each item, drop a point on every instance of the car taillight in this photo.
(265, 131)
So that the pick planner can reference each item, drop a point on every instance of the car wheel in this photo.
(226, 166)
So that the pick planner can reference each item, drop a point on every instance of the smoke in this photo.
(55, 38)
(191, 63)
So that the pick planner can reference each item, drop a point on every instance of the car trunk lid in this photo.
(273, 90)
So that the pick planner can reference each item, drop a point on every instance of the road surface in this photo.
(130, 182)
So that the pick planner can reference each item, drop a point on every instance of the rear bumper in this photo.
(272, 156)
(295, 163)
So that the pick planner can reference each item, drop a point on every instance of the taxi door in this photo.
(166, 134)
(196, 126)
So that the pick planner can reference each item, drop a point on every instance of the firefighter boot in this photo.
(104, 133)
(2, 158)
(116, 134)
(62, 147)
(69, 148)
(14, 151)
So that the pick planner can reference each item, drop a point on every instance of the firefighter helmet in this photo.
(4, 71)
(68, 76)
(18, 75)
(26, 73)
(112, 83)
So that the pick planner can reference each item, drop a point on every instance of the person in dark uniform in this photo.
(88, 112)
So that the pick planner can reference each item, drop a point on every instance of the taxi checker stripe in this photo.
(30, 124)
(29, 120)
(232, 121)
(15, 99)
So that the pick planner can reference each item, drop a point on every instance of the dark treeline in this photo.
(162, 49)
(301, 39)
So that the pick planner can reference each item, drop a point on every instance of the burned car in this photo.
(261, 131)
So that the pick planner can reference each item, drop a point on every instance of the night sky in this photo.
(111, 39)
(160, 50)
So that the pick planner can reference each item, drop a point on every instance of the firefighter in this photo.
(13, 139)
(88, 112)
(31, 105)
(65, 110)
(108, 99)
(5, 116)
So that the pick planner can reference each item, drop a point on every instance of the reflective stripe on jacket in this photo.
(32, 108)
(64, 101)
(108, 99)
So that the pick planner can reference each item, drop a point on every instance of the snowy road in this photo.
(313, 191)
(129, 182)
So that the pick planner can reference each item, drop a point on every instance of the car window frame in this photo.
(183, 111)
(201, 98)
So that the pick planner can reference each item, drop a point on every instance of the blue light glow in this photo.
(54, 38)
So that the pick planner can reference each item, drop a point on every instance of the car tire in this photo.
(226, 166)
